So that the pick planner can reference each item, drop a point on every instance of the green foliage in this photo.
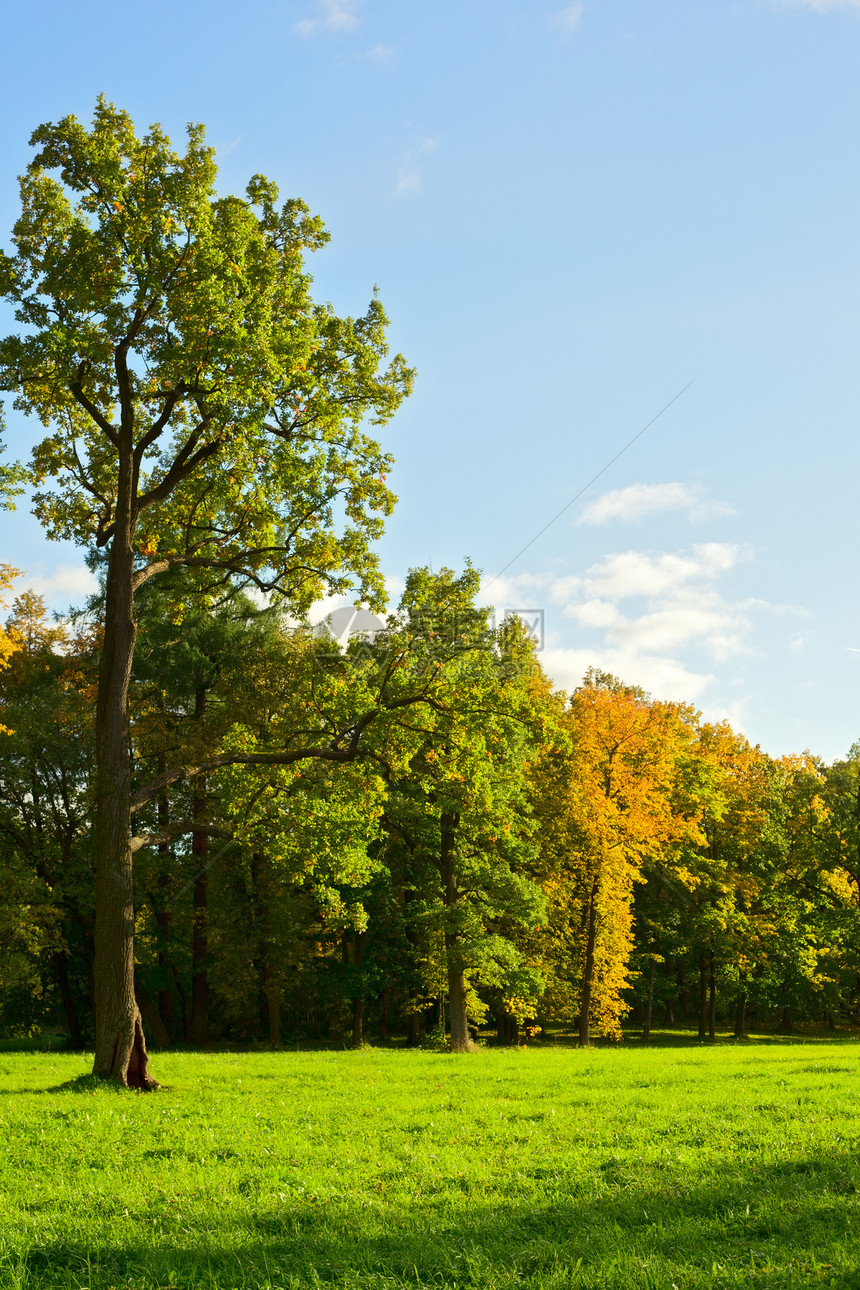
(170, 332)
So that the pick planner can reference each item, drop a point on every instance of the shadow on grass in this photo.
(88, 1084)
(624, 1223)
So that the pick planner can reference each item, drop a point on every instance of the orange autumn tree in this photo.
(609, 810)
(8, 635)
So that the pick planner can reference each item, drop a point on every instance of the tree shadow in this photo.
(622, 1225)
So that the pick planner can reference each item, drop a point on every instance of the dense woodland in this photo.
(501, 858)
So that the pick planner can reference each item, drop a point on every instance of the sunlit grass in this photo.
(684, 1166)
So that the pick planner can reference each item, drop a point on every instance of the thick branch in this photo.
(186, 462)
(174, 831)
(92, 411)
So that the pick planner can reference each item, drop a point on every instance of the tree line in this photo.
(216, 823)
(501, 855)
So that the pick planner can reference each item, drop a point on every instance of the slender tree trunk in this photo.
(685, 997)
(588, 970)
(76, 1039)
(162, 913)
(741, 1014)
(357, 1023)
(200, 929)
(383, 1013)
(120, 1045)
(787, 1024)
(646, 1028)
(183, 999)
(358, 1002)
(461, 1040)
(165, 967)
(712, 1000)
(273, 1005)
(703, 996)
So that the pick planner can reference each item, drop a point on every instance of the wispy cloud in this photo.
(379, 55)
(656, 619)
(641, 501)
(567, 20)
(331, 16)
(66, 583)
(408, 173)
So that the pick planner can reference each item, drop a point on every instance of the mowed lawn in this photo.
(667, 1167)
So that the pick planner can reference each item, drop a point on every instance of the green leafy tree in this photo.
(459, 810)
(200, 411)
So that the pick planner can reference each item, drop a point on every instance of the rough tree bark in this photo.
(120, 1046)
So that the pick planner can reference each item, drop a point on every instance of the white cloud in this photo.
(638, 501)
(331, 16)
(666, 678)
(656, 619)
(68, 582)
(638, 573)
(567, 20)
(408, 174)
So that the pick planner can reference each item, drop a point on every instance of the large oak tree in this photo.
(201, 412)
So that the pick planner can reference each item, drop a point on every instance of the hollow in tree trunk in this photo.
(120, 1045)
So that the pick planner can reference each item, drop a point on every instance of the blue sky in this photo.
(570, 211)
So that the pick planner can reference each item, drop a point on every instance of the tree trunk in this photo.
(414, 1034)
(162, 913)
(200, 930)
(646, 1028)
(685, 998)
(787, 1024)
(712, 1000)
(588, 970)
(460, 1039)
(358, 1001)
(703, 996)
(741, 1015)
(157, 1032)
(76, 1039)
(120, 1045)
(357, 1023)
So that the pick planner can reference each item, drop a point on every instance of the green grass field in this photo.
(680, 1166)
